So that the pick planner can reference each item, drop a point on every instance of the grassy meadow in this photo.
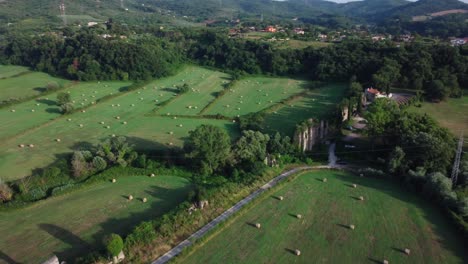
(69, 224)
(7, 71)
(25, 85)
(452, 114)
(386, 222)
(254, 94)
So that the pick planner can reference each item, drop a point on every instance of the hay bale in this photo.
(141, 98)
(361, 198)
(299, 216)
(32, 110)
(107, 127)
(102, 122)
(58, 139)
(93, 102)
(133, 104)
(114, 180)
(168, 114)
(81, 125)
(324, 179)
(196, 107)
(145, 200)
(124, 122)
(31, 145)
(113, 135)
(281, 198)
(258, 225)
(361, 175)
(351, 227)
(175, 118)
(82, 103)
(171, 133)
(118, 105)
(297, 252)
(12, 110)
(38, 104)
(83, 111)
(407, 251)
(112, 105)
(152, 175)
(130, 197)
(69, 119)
(170, 143)
(180, 125)
(354, 185)
(21, 145)
(117, 117)
(385, 261)
(233, 121)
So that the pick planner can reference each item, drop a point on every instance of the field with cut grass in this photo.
(254, 94)
(386, 222)
(26, 85)
(69, 224)
(452, 114)
(7, 71)
(317, 104)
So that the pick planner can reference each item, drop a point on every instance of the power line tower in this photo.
(62, 12)
(456, 163)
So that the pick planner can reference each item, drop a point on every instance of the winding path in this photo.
(201, 232)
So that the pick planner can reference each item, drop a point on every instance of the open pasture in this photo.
(34, 113)
(69, 224)
(254, 94)
(27, 85)
(204, 85)
(7, 71)
(334, 226)
(316, 104)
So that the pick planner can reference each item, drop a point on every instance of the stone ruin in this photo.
(310, 133)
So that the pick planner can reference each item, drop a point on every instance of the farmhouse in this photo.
(372, 93)
(270, 29)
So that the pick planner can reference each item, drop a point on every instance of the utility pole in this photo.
(456, 163)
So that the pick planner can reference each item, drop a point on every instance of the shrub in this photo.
(52, 86)
(67, 108)
(5, 192)
(99, 163)
(140, 162)
(35, 194)
(370, 172)
(113, 244)
(61, 189)
(144, 233)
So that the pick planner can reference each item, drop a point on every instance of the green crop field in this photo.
(316, 104)
(7, 71)
(386, 222)
(26, 85)
(68, 224)
(255, 94)
(452, 114)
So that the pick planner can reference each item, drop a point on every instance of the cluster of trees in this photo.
(65, 103)
(209, 151)
(89, 56)
(422, 153)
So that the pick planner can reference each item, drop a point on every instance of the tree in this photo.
(63, 98)
(99, 163)
(116, 150)
(52, 86)
(183, 88)
(79, 164)
(252, 121)
(5, 192)
(114, 244)
(280, 145)
(440, 187)
(396, 160)
(380, 115)
(67, 108)
(252, 146)
(437, 90)
(387, 74)
(208, 147)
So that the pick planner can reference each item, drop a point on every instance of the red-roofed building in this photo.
(270, 29)
(372, 93)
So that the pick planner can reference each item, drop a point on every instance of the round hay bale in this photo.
(85, 100)
(93, 96)
(385, 261)
(31, 145)
(168, 114)
(180, 125)
(152, 175)
(361, 175)
(233, 121)
(107, 127)
(102, 122)
(130, 197)
(133, 104)
(361, 198)
(196, 107)
(21, 145)
(299, 216)
(354, 185)
(93, 102)
(171, 133)
(170, 143)
(83, 111)
(81, 125)
(58, 139)
(113, 135)
(69, 119)
(324, 180)
(82, 94)
(117, 117)
(297, 252)
(118, 105)
(124, 122)
(407, 251)
(145, 200)
(351, 227)
(38, 104)
(32, 110)
(82, 103)
(114, 180)
(141, 98)
(281, 198)
(175, 118)
(12, 110)
(112, 105)
(258, 225)
(139, 92)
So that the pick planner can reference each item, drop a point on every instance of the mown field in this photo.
(452, 114)
(69, 224)
(386, 222)
(27, 84)
(7, 71)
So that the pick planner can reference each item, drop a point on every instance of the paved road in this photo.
(201, 232)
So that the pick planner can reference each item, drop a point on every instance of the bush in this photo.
(5, 192)
(35, 194)
(60, 189)
(370, 172)
(140, 162)
(144, 233)
(67, 108)
(99, 163)
(113, 244)
(52, 86)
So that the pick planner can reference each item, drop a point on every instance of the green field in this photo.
(27, 85)
(386, 222)
(316, 104)
(255, 94)
(34, 113)
(68, 224)
(452, 114)
(7, 71)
